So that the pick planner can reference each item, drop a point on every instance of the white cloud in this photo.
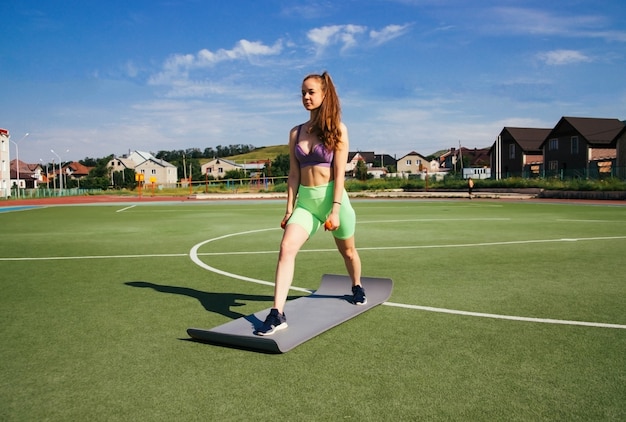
(183, 71)
(309, 10)
(563, 57)
(388, 33)
(131, 69)
(345, 35)
(349, 36)
(539, 22)
(178, 66)
(244, 49)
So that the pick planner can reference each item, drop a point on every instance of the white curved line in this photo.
(193, 254)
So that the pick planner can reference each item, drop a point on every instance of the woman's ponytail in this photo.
(327, 121)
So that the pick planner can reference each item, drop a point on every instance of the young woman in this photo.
(318, 153)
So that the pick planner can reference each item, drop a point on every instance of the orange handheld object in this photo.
(328, 225)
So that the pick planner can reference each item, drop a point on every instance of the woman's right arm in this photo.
(293, 181)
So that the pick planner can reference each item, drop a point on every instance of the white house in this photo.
(218, 167)
(413, 163)
(163, 173)
(5, 159)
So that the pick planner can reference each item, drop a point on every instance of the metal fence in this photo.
(49, 193)
(590, 173)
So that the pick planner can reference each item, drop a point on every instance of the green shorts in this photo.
(313, 207)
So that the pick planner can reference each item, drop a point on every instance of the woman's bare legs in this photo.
(347, 249)
(293, 239)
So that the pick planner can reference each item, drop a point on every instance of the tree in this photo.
(101, 169)
(278, 167)
(235, 174)
(99, 177)
(91, 182)
(361, 170)
(124, 179)
(89, 162)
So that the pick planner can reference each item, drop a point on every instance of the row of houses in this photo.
(575, 146)
(17, 173)
(377, 165)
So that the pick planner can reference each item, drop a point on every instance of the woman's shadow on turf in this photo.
(220, 303)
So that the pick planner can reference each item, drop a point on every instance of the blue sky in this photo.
(105, 77)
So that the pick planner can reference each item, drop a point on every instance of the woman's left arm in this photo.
(339, 170)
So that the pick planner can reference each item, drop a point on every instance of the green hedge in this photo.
(612, 184)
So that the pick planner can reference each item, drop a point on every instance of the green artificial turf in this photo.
(95, 301)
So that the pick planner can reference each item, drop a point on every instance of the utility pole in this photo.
(17, 161)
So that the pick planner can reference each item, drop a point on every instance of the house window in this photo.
(512, 151)
(604, 167)
(408, 162)
(554, 144)
(209, 170)
(220, 170)
(153, 171)
(574, 144)
(554, 165)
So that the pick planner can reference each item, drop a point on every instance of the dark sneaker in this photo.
(358, 295)
(275, 321)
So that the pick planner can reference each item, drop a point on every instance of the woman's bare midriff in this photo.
(316, 176)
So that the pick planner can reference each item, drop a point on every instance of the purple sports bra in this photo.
(318, 156)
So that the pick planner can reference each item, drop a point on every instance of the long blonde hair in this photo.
(326, 122)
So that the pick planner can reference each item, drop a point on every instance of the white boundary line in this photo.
(507, 317)
(126, 208)
(460, 245)
(61, 258)
(193, 254)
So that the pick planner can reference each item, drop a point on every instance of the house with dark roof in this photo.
(475, 157)
(581, 147)
(517, 152)
(377, 164)
(620, 153)
(385, 161)
(367, 157)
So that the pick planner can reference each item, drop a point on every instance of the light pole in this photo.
(47, 178)
(60, 170)
(54, 183)
(60, 175)
(17, 161)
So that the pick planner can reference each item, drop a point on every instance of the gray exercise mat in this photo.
(307, 316)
